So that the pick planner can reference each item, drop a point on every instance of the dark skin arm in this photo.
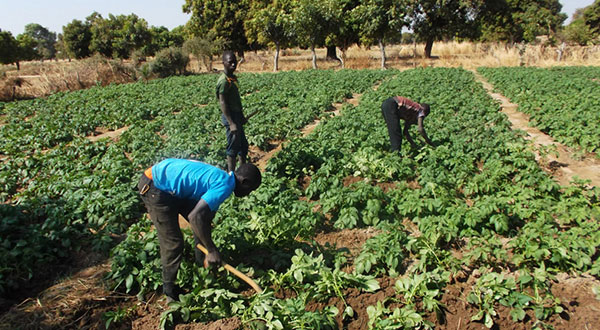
(422, 131)
(227, 113)
(407, 135)
(201, 219)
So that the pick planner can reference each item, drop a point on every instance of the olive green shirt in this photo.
(228, 86)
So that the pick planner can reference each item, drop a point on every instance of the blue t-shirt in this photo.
(195, 180)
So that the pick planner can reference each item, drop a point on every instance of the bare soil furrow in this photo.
(565, 167)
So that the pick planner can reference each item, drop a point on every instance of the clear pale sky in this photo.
(53, 14)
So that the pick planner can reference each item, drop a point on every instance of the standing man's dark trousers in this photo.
(237, 144)
(164, 210)
(389, 109)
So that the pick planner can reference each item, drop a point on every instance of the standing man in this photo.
(232, 116)
(195, 190)
(398, 107)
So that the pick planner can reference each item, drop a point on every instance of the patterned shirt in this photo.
(409, 110)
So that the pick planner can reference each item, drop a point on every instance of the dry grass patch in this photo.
(36, 79)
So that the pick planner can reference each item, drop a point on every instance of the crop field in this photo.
(471, 234)
(562, 102)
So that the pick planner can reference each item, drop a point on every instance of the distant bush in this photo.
(578, 33)
(169, 61)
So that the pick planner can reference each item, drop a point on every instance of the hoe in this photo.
(235, 272)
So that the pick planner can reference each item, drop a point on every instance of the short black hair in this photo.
(249, 172)
(228, 53)
(426, 108)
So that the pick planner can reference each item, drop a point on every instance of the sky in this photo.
(54, 14)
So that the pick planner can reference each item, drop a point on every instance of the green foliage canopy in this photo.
(44, 40)
(9, 48)
(119, 35)
(224, 18)
(519, 20)
(77, 37)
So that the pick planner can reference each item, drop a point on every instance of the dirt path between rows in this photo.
(104, 133)
(79, 301)
(261, 158)
(564, 168)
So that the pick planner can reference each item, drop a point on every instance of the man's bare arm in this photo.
(407, 135)
(201, 219)
(226, 111)
(422, 131)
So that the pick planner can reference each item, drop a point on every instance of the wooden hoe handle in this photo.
(235, 272)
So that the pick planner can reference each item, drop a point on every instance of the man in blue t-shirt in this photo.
(195, 190)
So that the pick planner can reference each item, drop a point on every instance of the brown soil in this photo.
(385, 186)
(223, 324)
(351, 239)
(102, 132)
(359, 302)
(75, 303)
(80, 301)
(564, 167)
(582, 309)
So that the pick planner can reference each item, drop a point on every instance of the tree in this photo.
(178, 35)
(585, 26)
(170, 61)
(102, 35)
(9, 49)
(591, 16)
(518, 20)
(118, 36)
(77, 37)
(496, 23)
(539, 18)
(203, 49)
(438, 19)
(44, 40)
(132, 33)
(269, 23)
(578, 32)
(224, 18)
(311, 20)
(161, 38)
(380, 21)
(27, 48)
(343, 28)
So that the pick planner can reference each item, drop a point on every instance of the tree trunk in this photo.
(331, 54)
(207, 60)
(18, 65)
(428, 47)
(241, 55)
(343, 58)
(382, 48)
(314, 56)
(276, 59)
(560, 51)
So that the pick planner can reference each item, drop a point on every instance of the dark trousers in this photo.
(389, 109)
(164, 210)
(237, 144)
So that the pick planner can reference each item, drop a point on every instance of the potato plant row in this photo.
(476, 203)
(563, 102)
(60, 192)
